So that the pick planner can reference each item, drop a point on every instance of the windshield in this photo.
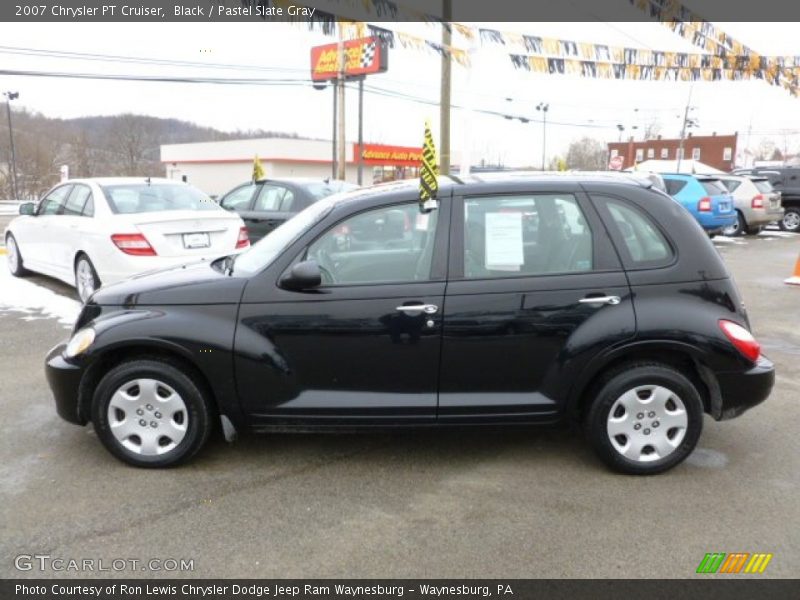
(324, 189)
(143, 197)
(261, 254)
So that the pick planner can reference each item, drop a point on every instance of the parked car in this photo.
(93, 232)
(610, 307)
(266, 203)
(785, 180)
(705, 197)
(757, 203)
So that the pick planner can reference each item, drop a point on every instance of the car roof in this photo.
(302, 180)
(475, 182)
(698, 176)
(126, 181)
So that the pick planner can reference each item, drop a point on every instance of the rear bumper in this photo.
(763, 216)
(120, 266)
(715, 222)
(64, 379)
(742, 390)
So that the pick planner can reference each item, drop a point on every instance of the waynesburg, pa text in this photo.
(254, 590)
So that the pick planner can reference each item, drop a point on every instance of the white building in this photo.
(216, 167)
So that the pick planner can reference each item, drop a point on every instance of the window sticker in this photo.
(422, 222)
(504, 251)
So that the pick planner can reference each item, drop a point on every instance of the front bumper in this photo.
(742, 390)
(64, 379)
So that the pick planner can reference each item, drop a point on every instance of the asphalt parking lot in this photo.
(423, 504)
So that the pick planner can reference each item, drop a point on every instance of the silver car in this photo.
(757, 203)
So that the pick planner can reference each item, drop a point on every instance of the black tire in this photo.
(95, 282)
(739, 228)
(755, 230)
(197, 414)
(624, 379)
(15, 265)
(793, 212)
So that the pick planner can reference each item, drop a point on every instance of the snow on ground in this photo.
(31, 302)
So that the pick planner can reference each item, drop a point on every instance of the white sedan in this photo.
(92, 232)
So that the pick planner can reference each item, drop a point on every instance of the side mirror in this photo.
(27, 208)
(302, 276)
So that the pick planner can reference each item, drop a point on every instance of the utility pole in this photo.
(361, 131)
(9, 97)
(544, 108)
(444, 101)
(683, 128)
(341, 157)
(334, 148)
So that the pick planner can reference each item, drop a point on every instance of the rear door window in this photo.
(523, 236)
(240, 198)
(643, 243)
(77, 200)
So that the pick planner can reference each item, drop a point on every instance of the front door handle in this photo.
(428, 309)
(613, 300)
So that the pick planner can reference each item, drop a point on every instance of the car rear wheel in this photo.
(150, 414)
(791, 220)
(645, 419)
(86, 280)
(14, 258)
(738, 228)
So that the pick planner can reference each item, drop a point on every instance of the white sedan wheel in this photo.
(85, 279)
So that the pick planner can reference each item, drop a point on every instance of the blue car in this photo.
(706, 197)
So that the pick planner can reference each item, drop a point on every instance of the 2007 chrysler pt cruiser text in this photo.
(537, 299)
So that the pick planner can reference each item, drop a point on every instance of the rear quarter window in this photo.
(763, 186)
(713, 187)
(731, 184)
(674, 186)
(642, 243)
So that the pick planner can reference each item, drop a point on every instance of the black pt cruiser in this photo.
(533, 299)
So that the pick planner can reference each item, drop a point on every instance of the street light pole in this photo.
(9, 97)
(544, 108)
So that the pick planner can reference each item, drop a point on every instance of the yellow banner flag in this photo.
(429, 170)
(258, 170)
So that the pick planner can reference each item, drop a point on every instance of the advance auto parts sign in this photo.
(363, 56)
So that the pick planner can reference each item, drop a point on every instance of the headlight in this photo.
(80, 342)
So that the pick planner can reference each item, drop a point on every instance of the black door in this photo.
(272, 206)
(363, 346)
(535, 290)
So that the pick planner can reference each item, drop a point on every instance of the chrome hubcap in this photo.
(85, 280)
(732, 229)
(13, 254)
(647, 423)
(791, 220)
(147, 417)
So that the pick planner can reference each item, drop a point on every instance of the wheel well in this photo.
(111, 359)
(679, 361)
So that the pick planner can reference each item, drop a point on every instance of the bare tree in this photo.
(586, 154)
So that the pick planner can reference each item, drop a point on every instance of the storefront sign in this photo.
(363, 56)
(398, 156)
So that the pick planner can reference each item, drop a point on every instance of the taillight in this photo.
(133, 243)
(704, 205)
(244, 240)
(742, 339)
(758, 201)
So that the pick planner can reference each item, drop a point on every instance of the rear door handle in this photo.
(428, 309)
(613, 300)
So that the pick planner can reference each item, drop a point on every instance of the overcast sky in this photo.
(578, 106)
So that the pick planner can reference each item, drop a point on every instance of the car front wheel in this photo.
(14, 258)
(646, 418)
(150, 414)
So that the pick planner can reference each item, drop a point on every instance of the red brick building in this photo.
(718, 151)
